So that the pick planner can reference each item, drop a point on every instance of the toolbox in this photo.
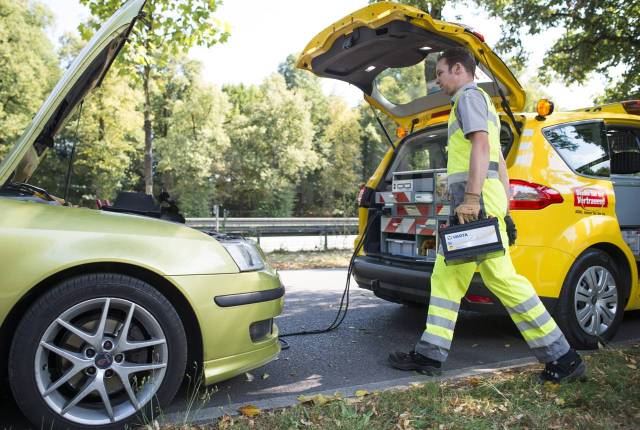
(414, 208)
(472, 241)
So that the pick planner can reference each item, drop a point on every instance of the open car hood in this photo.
(85, 73)
(381, 42)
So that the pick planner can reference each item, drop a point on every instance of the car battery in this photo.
(473, 241)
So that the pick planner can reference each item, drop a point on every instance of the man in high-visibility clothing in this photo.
(478, 183)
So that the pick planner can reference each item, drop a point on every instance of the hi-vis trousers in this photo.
(449, 284)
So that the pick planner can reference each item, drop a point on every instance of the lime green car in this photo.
(99, 311)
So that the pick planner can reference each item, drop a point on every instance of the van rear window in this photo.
(425, 151)
(583, 147)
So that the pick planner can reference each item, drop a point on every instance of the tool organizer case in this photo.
(412, 211)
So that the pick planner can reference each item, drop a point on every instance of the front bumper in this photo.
(401, 281)
(226, 306)
(228, 367)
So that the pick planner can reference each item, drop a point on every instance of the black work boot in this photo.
(567, 368)
(415, 361)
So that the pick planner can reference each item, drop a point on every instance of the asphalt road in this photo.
(355, 353)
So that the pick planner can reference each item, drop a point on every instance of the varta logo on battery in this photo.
(461, 235)
(590, 198)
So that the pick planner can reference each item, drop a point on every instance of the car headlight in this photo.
(246, 254)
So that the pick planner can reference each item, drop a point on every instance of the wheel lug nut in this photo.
(107, 345)
(90, 353)
(91, 370)
(119, 358)
(108, 373)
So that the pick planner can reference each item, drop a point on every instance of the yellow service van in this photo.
(575, 176)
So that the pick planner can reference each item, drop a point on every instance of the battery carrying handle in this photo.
(453, 219)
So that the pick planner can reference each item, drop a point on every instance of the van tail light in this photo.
(360, 194)
(479, 299)
(530, 196)
(632, 107)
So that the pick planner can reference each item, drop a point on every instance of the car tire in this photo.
(592, 300)
(83, 339)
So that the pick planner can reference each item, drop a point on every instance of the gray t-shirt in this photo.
(472, 111)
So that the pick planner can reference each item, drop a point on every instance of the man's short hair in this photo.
(459, 55)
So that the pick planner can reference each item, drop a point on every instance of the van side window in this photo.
(624, 143)
(506, 139)
(582, 146)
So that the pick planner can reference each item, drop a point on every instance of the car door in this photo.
(624, 147)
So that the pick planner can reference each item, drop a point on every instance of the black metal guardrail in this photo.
(272, 227)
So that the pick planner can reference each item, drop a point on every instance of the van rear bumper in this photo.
(410, 282)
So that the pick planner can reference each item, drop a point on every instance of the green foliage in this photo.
(270, 149)
(600, 36)
(28, 66)
(534, 91)
(338, 180)
(191, 141)
(170, 28)
(374, 143)
(328, 189)
(107, 141)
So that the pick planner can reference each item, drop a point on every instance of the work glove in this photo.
(512, 233)
(469, 209)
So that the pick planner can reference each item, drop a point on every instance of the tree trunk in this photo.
(148, 142)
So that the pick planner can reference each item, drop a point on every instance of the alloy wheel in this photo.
(101, 361)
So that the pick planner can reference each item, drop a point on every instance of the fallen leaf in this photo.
(632, 361)
(317, 400)
(361, 393)
(320, 400)
(249, 411)
(503, 408)
(304, 399)
(265, 375)
(559, 401)
(551, 386)
(250, 377)
(417, 384)
(306, 423)
(506, 345)
(474, 381)
(632, 366)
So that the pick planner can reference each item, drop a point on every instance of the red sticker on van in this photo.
(589, 197)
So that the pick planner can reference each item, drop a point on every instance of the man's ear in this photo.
(457, 68)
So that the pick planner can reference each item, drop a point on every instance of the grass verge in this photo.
(283, 260)
(609, 399)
